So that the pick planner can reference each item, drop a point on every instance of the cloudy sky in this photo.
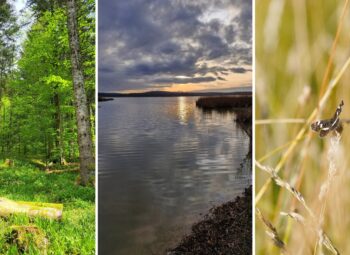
(174, 45)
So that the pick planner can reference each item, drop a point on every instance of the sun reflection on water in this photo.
(182, 110)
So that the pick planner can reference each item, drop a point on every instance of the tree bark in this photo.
(82, 114)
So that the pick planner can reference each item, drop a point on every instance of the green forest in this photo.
(47, 127)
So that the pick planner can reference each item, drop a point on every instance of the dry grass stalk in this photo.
(332, 169)
(323, 238)
(334, 45)
(276, 150)
(294, 215)
(332, 154)
(272, 232)
(279, 121)
(286, 185)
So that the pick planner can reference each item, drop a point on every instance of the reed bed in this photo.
(302, 181)
(243, 100)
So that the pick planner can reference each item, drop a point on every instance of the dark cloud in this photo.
(244, 19)
(184, 80)
(148, 43)
(170, 65)
(230, 33)
(213, 46)
(240, 70)
(221, 79)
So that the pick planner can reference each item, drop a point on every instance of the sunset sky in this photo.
(177, 45)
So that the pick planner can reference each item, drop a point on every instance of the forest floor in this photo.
(227, 229)
(73, 234)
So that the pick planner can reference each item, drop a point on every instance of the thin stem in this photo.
(271, 153)
(282, 121)
(334, 45)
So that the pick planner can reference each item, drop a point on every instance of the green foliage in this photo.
(37, 112)
(73, 235)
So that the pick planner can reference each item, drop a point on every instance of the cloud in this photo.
(185, 80)
(144, 44)
(240, 70)
(221, 79)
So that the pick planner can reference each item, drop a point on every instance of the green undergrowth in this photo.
(73, 234)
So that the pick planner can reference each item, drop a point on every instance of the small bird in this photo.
(328, 125)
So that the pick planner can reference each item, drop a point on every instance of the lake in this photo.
(163, 163)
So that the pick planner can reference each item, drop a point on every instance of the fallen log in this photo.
(62, 171)
(39, 164)
(32, 209)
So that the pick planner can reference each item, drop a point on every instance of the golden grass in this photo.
(302, 69)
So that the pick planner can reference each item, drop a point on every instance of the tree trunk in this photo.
(82, 114)
(58, 127)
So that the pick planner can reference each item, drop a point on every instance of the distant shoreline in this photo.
(171, 94)
(103, 99)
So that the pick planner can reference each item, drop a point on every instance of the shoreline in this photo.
(226, 229)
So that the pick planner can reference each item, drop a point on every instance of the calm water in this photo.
(163, 163)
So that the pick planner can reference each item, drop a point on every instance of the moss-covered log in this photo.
(32, 209)
(62, 171)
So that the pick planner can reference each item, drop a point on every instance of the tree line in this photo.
(47, 84)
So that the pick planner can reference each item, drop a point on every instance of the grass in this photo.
(304, 77)
(74, 234)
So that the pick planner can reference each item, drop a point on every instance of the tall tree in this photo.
(8, 30)
(82, 110)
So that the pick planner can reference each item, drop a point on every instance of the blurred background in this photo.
(301, 47)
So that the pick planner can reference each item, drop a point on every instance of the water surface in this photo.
(163, 163)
